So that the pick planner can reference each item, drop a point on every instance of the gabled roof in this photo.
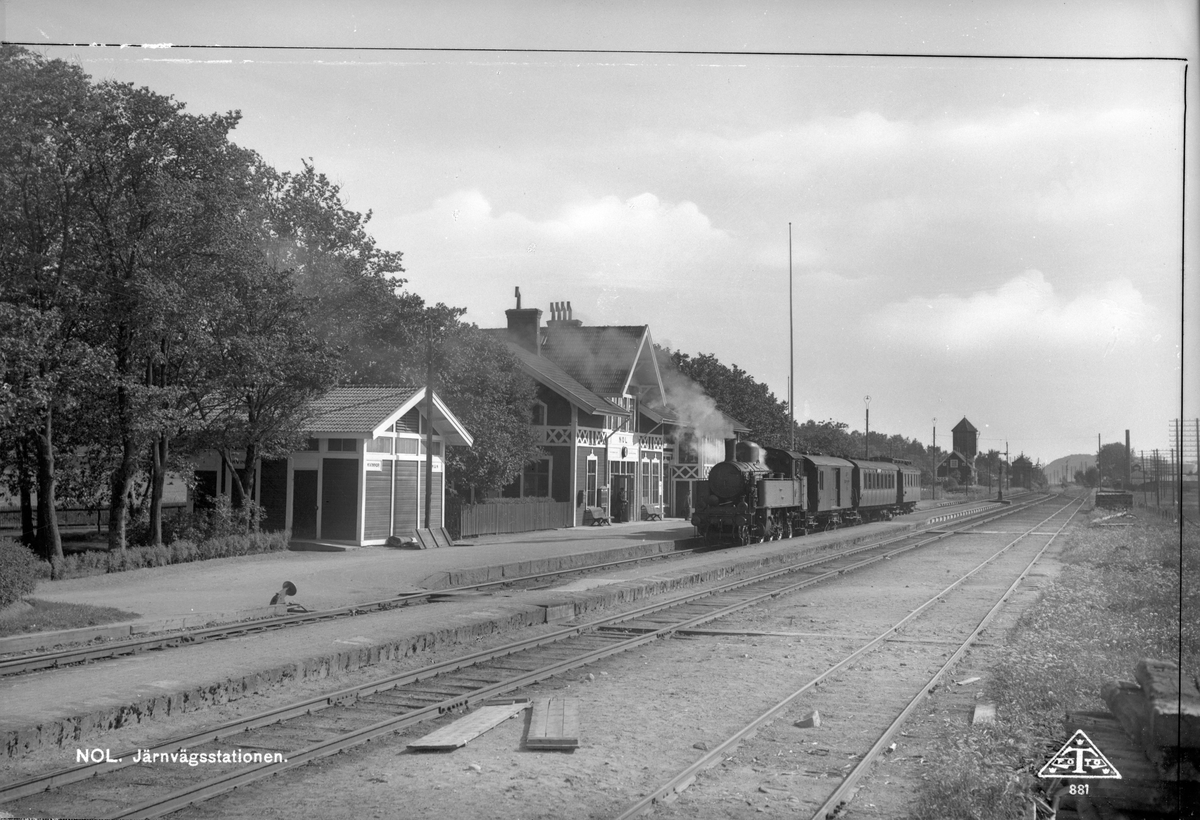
(658, 415)
(964, 426)
(603, 359)
(954, 454)
(560, 381)
(368, 411)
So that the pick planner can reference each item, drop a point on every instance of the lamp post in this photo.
(935, 458)
(867, 437)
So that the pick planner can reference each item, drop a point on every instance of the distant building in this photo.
(966, 439)
(958, 463)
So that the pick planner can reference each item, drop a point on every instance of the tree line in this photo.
(164, 291)
(737, 394)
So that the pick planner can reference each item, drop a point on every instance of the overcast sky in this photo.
(997, 237)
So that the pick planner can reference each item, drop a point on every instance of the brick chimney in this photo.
(524, 326)
(560, 316)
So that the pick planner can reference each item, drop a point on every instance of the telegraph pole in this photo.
(791, 350)
(935, 466)
(867, 437)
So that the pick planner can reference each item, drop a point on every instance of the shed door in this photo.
(304, 504)
(273, 483)
(339, 498)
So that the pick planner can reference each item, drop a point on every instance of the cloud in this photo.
(641, 243)
(1024, 310)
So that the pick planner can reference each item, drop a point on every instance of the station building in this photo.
(361, 476)
(614, 446)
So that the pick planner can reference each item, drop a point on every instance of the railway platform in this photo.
(61, 708)
(233, 589)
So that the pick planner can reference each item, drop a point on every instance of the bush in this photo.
(223, 520)
(95, 562)
(19, 571)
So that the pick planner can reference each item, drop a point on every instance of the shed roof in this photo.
(367, 411)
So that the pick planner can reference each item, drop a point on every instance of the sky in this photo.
(981, 204)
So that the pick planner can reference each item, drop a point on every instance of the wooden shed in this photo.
(362, 474)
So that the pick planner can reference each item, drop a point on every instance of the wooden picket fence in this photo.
(505, 516)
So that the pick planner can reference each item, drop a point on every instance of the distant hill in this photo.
(1055, 469)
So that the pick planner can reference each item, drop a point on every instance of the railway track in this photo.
(325, 725)
(885, 719)
(33, 661)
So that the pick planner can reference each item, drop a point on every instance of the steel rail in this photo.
(220, 785)
(845, 792)
(67, 657)
(671, 789)
(347, 695)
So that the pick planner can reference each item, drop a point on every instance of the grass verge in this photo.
(1116, 601)
(48, 616)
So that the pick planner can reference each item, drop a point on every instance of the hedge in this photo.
(182, 551)
(19, 571)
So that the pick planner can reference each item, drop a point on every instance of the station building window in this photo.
(592, 465)
(534, 481)
(380, 444)
(343, 445)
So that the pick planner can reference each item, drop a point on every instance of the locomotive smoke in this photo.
(696, 410)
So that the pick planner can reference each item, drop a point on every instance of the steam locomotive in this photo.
(764, 493)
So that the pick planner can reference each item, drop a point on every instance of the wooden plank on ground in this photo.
(554, 724)
(426, 539)
(466, 729)
(442, 538)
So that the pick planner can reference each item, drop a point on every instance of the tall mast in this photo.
(791, 351)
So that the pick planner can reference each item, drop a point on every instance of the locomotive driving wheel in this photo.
(743, 534)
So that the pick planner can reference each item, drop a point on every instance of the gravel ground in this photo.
(648, 714)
